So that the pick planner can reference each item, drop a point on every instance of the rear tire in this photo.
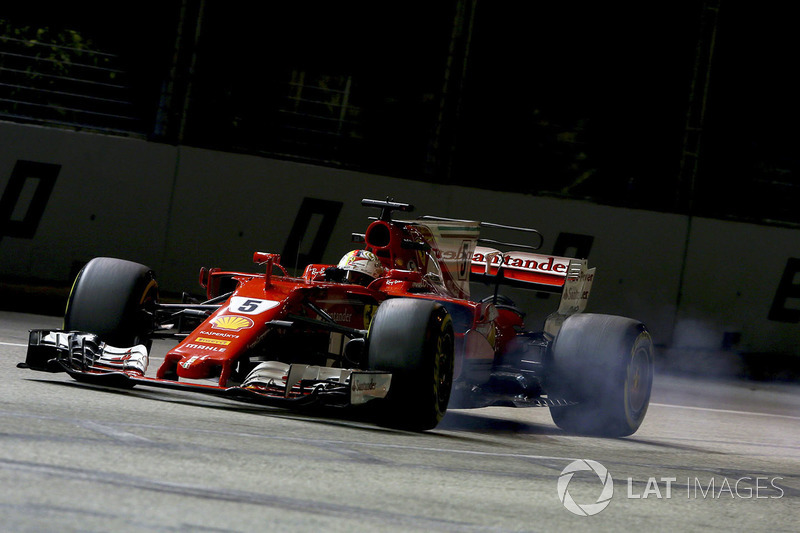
(605, 363)
(109, 298)
(413, 339)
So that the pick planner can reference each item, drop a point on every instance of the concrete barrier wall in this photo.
(179, 208)
(111, 197)
(742, 280)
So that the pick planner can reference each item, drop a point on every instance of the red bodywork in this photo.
(214, 347)
(420, 270)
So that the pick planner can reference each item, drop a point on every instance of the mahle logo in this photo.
(585, 509)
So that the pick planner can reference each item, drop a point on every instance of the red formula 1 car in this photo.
(391, 325)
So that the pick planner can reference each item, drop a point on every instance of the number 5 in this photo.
(249, 306)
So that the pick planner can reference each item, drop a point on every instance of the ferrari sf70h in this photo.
(392, 326)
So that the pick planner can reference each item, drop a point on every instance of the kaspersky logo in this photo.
(585, 509)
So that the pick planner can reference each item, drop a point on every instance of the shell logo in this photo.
(232, 322)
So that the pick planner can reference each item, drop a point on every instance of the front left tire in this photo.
(413, 339)
(110, 298)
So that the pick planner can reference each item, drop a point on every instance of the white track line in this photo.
(728, 411)
(115, 433)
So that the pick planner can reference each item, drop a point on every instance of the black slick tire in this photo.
(413, 339)
(109, 298)
(605, 364)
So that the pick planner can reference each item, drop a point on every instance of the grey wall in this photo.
(179, 208)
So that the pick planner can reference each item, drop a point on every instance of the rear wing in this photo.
(523, 269)
(570, 277)
(465, 256)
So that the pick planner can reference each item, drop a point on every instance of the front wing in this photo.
(84, 357)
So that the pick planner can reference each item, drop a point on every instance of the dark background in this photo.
(685, 106)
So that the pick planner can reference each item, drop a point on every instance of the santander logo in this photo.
(521, 261)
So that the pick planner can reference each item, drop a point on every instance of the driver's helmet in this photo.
(361, 267)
